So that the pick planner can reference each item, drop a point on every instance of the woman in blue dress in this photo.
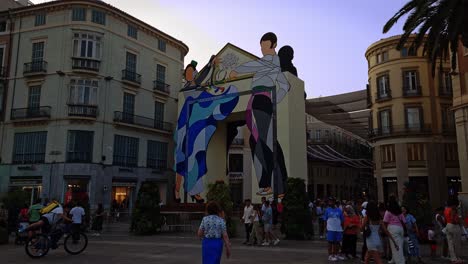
(413, 231)
(374, 223)
(213, 233)
(197, 122)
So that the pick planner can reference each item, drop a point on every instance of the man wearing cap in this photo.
(334, 224)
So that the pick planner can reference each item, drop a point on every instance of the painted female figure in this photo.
(196, 125)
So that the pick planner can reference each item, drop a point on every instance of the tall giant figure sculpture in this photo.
(197, 122)
(267, 75)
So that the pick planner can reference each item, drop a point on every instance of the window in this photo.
(445, 83)
(448, 119)
(162, 45)
(40, 19)
(416, 152)
(132, 32)
(156, 155)
(410, 81)
(80, 146)
(83, 92)
(384, 121)
(382, 57)
(125, 151)
(131, 62)
(38, 51)
(161, 74)
(79, 14)
(129, 103)
(318, 134)
(2, 55)
(158, 114)
(29, 147)
(34, 97)
(236, 163)
(98, 17)
(383, 86)
(413, 117)
(405, 52)
(451, 152)
(3, 26)
(87, 45)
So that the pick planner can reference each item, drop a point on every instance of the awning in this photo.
(25, 181)
(348, 111)
(327, 153)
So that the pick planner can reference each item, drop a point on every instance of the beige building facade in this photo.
(412, 124)
(460, 107)
(90, 103)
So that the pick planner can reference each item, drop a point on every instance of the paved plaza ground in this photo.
(118, 247)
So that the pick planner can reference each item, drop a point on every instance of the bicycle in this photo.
(40, 243)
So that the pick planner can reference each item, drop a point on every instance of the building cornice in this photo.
(119, 14)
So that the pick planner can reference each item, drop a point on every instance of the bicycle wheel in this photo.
(37, 246)
(74, 245)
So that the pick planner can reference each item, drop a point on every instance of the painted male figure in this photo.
(267, 75)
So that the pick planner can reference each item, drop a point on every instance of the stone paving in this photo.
(118, 246)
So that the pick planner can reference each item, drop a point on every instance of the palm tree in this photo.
(440, 24)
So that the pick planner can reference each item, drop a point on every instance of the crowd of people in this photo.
(260, 222)
(389, 231)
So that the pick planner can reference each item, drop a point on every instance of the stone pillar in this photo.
(461, 119)
(437, 180)
(378, 173)
(401, 167)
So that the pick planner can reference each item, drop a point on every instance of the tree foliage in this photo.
(295, 209)
(146, 216)
(440, 24)
(220, 192)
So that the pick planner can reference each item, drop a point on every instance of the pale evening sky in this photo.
(329, 36)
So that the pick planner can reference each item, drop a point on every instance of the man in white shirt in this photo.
(77, 214)
(248, 219)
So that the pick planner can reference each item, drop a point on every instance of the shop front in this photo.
(390, 187)
(76, 189)
(123, 195)
(31, 185)
(454, 186)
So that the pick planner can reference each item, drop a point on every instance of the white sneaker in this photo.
(321, 237)
(391, 261)
(276, 242)
(340, 257)
(332, 258)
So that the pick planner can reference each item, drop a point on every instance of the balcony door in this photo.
(413, 118)
(128, 107)
(385, 121)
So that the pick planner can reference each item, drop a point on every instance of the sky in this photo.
(329, 37)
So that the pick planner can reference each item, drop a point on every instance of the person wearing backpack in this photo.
(35, 212)
(51, 214)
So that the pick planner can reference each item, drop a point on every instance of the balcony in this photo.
(445, 92)
(35, 68)
(126, 118)
(131, 77)
(42, 112)
(407, 92)
(157, 164)
(162, 87)
(379, 97)
(89, 111)
(86, 64)
(403, 130)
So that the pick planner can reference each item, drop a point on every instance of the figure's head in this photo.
(248, 202)
(268, 43)
(286, 53)
(331, 202)
(263, 199)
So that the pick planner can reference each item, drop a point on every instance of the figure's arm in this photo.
(283, 87)
(250, 67)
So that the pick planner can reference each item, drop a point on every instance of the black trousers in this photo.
(248, 230)
(364, 250)
(75, 229)
(349, 244)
